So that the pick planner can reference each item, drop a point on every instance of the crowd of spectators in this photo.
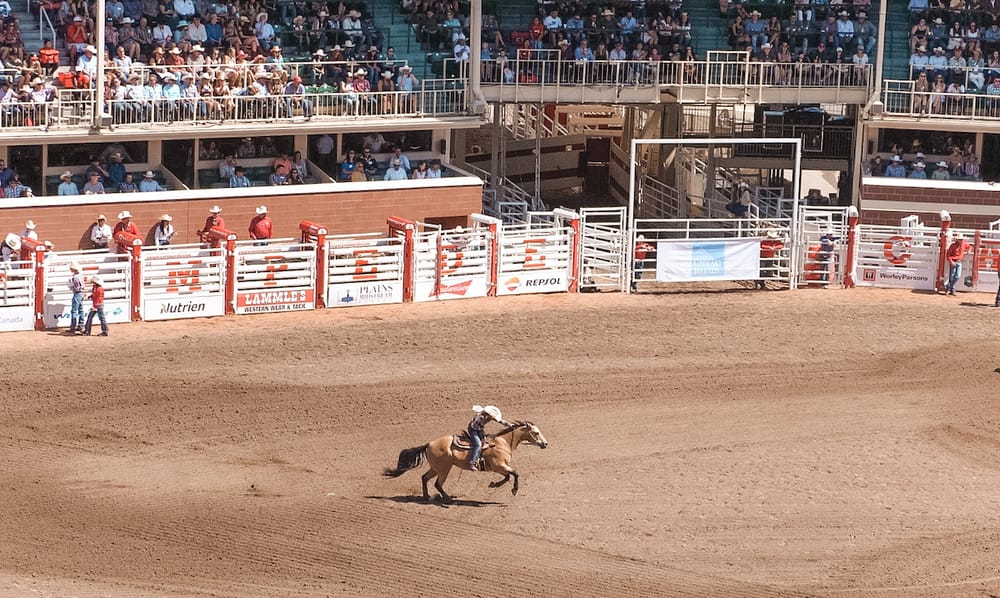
(954, 158)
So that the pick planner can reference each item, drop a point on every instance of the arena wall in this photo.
(971, 205)
(343, 208)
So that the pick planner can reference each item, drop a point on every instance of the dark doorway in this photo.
(26, 161)
(990, 164)
(178, 158)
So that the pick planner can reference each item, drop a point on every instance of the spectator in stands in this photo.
(407, 83)
(246, 149)
(553, 24)
(347, 167)
(938, 89)
(116, 170)
(100, 233)
(938, 33)
(420, 172)
(6, 173)
(261, 227)
(941, 172)
(370, 163)
(976, 66)
(213, 32)
(86, 66)
(955, 253)
(11, 44)
(434, 172)
(462, 51)
(239, 179)
(162, 34)
(921, 94)
(353, 27)
(48, 56)
(896, 169)
(278, 176)
(97, 306)
(67, 186)
(149, 184)
(938, 63)
(325, 146)
(395, 171)
(295, 98)
(756, 29)
(128, 185)
(227, 168)
(919, 171)
(876, 167)
(295, 177)
(77, 38)
(164, 232)
(971, 167)
(93, 186)
(865, 32)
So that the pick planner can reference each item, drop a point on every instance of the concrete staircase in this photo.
(397, 32)
(897, 40)
(30, 29)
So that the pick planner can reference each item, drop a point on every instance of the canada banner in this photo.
(256, 302)
(689, 261)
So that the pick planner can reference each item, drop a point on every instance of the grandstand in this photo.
(573, 88)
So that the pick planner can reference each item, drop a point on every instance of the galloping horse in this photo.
(444, 453)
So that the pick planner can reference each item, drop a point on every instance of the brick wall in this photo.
(950, 199)
(68, 227)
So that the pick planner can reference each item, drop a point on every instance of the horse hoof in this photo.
(513, 491)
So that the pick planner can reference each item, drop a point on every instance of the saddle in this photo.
(461, 441)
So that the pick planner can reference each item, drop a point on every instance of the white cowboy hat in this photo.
(773, 234)
(97, 280)
(29, 224)
(261, 210)
(124, 214)
(75, 266)
(348, 44)
(66, 175)
(919, 165)
(215, 210)
(90, 49)
(166, 217)
(197, 48)
(101, 217)
(320, 52)
(149, 174)
(13, 241)
(127, 20)
(492, 410)
(957, 235)
(360, 72)
(942, 164)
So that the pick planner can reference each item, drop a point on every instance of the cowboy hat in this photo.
(608, 12)
(348, 44)
(773, 234)
(261, 210)
(124, 214)
(387, 74)
(166, 217)
(957, 235)
(97, 280)
(197, 48)
(919, 165)
(75, 266)
(90, 49)
(175, 50)
(354, 14)
(320, 52)
(29, 224)
(493, 411)
(127, 21)
(37, 81)
(13, 241)
(215, 209)
(66, 175)
(942, 164)
(101, 217)
(360, 72)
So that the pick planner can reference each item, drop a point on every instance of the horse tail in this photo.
(408, 459)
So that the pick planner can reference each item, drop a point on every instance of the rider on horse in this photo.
(483, 416)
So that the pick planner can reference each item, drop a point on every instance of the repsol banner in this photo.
(365, 293)
(259, 302)
(542, 281)
(178, 308)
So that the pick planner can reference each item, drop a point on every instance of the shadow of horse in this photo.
(439, 502)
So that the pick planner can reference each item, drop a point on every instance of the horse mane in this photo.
(514, 425)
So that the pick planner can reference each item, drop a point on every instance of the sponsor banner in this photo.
(689, 261)
(176, 308)
(262, 302)
(364, 293)
(451, 288)
(543, 281)
(897, 278)
(57, 312)
(20, 317)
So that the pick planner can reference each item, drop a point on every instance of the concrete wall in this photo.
(560, 163)
(343, 208)
(971, 205)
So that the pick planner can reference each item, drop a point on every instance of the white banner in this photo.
(375, 292)
(57, 314)
(21, 317)
(542, 281)
(689, 261)
(199, 306)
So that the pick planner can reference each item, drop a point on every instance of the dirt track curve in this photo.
(738, 443)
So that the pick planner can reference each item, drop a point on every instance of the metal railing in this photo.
(899, 98)
(43, 20)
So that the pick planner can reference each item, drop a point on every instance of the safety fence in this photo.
(551, 252)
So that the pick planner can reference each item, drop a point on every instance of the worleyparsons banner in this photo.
(688, 261)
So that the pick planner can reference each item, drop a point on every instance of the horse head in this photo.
(530, 434)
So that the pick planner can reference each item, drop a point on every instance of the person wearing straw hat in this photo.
(100, 233)
(29, 231)
(96, 306)
(477, 430)
(261, 227)
(164, 231)
(149, 184)
(955, 253)
(67, 186)
(214, 220)
(941, 172)
(75, 284)
(11, 245)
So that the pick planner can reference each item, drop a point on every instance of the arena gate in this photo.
(278, 275)
(365, 269)
(115, 270)
(711, 249)
(905, 256)
(183, 281)
(816, 267)
(602, 249)
(539, 256)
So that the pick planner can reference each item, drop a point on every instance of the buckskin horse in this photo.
(445, 452)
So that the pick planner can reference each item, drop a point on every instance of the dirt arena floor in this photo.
(809, 443)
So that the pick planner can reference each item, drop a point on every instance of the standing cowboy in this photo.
(75, 284)
(260, 227)
(213, 221)
(484, 415)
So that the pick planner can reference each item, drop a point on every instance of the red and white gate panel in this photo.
(115, 270)
(364, 269)
(280, 276)
(183, 282)
(17, 296)
(981, 267)
(452, 264)
(897, 257)
(535, 259)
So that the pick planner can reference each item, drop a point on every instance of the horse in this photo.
(444, 453)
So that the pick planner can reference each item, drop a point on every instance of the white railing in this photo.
(43, 20)
(899, 98)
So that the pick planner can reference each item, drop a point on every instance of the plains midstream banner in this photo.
(689, 261)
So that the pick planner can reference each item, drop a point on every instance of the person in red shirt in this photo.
(213, 221)
(97, 306)
(770, 248)
(260, 227)
(642, 250)
(125, 224)
(48, 55)
(956, 251)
